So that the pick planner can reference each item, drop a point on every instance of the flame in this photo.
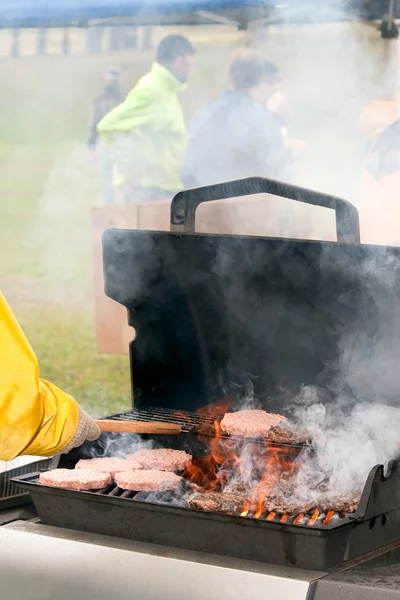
(283, 519)
(236, 461)
(217, 409)
(181, 415)
(277, 463)
(328, 517)
(314, 517)
(298, 518)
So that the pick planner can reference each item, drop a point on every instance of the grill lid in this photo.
(221, 316)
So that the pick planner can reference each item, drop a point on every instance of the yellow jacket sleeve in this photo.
(36, 417)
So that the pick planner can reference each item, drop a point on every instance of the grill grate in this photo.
(190, 422)
(166, 499)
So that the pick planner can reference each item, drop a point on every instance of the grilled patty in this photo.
(288, 506)
(224, 502)
(148, 481)
(75, 479)
(164, 459)
(250, 423)
(285, 435)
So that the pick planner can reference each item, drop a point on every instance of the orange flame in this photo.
(298, 519)
(314, 517)
(181, 415)
(283, 519)
(224, 463)
(328, 517)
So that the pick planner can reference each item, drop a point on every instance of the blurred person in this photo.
(379, 206)
(110, 97)
(36, 417)
(146, 135)
(238, 135)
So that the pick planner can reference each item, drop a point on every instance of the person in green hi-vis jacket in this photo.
(146, 135)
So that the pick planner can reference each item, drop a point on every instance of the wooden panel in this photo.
(112, 331)
(260, 215)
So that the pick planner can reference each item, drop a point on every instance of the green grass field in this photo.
(47, 186)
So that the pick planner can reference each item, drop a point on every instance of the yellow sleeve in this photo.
(36, 417)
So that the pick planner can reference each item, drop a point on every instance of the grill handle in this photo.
(185, 203)
(149, 427)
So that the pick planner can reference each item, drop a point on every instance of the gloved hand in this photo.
(87, 430)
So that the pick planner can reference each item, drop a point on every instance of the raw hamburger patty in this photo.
(250, 423)
(109, 465)
(75, 479)
(164, 459)
(218, 501)
(148, 481)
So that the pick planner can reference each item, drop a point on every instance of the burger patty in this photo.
(75, 479)
(345, 504)
(148, 481)
(250, 423)
(288, 506)
(224, 502)
(164, 459)
(285, 435)
(109, 465)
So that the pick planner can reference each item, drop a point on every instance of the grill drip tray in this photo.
(128, 515)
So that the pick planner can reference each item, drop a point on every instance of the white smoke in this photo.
(346, 445)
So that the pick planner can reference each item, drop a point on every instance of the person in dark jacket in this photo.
(110, 97)
(237, 135)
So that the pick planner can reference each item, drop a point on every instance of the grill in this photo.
(225, 318)
(318, 546)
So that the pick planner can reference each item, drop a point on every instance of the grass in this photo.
(47, 187)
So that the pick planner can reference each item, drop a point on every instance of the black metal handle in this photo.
(184, 204)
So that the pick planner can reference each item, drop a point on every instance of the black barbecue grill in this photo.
(223, 317)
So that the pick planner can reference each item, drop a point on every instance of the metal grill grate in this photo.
(322, 520)
(190, 422)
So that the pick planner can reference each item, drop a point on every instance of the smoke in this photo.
(346, 444)
(117, 445)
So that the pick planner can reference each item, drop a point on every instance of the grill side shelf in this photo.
(381, 493)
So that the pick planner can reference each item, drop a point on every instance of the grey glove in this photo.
(87, 430)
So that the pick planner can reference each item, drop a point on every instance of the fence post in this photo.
(15, 43)
(116, 35)
(130, 37)
(94, 40)
(147, 42)
(65, 42)
(41, 42)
